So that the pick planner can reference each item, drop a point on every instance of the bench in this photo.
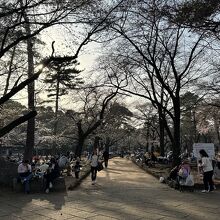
(37, 185)
(150, 163)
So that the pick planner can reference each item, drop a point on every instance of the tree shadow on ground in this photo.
(121, 195)
(136, 195)
(20, 204)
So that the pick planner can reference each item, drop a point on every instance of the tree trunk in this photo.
(107, 144)
(161, 124)
(9, 71)
(96, 142)
(79, 148)
(56, 112)
(176, 141)
(194, 126)
(216, 126)
(28, 152)
(218, 136)
(148, 135)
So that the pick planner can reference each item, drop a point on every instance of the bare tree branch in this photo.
(17, 122)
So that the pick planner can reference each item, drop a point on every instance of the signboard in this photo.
(208, 147)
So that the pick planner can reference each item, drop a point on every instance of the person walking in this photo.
(106, 158)
(94, 165)
(207, 171)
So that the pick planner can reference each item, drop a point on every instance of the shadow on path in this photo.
(123, 191)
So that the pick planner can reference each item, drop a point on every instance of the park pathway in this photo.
(123, 191)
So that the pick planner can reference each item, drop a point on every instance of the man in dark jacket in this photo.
(106, 158)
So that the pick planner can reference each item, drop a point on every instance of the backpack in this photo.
(63, 161)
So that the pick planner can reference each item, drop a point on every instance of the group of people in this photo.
(49, 171)
(52, 169)
(150, 159)
(181, 173)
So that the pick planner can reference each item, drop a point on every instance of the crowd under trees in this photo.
(162, 53)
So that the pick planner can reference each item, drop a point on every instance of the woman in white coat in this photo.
(94, 164)
(207, 171)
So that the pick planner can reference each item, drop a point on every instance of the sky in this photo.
(66, 44)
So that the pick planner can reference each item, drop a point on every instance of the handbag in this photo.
(100, 166)
(189, 180)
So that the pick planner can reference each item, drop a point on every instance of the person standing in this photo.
(207, 171)
(94, 165)
(77, 168)
(106, 158)
(25, 174)
(52, 173)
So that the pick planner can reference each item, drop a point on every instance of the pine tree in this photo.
(61, 77)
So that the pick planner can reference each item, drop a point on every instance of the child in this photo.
(77, 168)
(200, 167)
